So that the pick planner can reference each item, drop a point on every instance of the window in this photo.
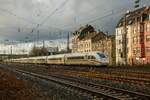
(148, 38)
(141, 28)
(145, 17)
(54, 59)
(135, 30)
(148, 27)
(119, 41)
(119, 50)
(134, 51)
(138, 28)
(41, 59)
(121, 55)
(148, 49)
(134, 40)
(127, 50)
(141, 39)
(130, 21)
(120, 24)
(138, 50)
(77, 57)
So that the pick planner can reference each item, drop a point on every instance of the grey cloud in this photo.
(68, 18)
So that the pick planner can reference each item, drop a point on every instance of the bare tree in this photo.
(36, 51)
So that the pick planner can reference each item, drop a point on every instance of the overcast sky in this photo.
(21, 19)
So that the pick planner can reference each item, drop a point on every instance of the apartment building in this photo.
(87, 40)
(82, 39)
(132, 37)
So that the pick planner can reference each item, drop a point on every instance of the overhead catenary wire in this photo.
(25, 20)
(51, 14)
(108, 14)
(99, 18)
(91, 20)
(19, 17)
(64, 3)
(45, 20)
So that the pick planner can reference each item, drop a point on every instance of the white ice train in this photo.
(90, 58)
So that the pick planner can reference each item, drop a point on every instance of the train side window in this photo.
(42, 59)
(78, 57)
(54, 59)
(101, 55)
(91, 57)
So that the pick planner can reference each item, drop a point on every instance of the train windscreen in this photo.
(101, 55)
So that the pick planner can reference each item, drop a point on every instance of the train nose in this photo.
(105, 60)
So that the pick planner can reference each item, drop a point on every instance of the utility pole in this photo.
(11, 51)
(125, 39)
(38, 33)
(68, 38)
(43, 44)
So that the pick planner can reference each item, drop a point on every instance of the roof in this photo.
(88, 36)
(87, 32)
(99, 36)
(133, 15)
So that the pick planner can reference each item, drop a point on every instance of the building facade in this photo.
(102, 42)
(85, 44)
(82, 39)
(87, 40)
(132, 37)
(75, 41)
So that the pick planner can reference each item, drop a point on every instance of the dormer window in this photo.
(130, 22)
(145, 17)
(120, 24)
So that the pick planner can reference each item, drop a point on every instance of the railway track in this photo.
(95, 90)
(120, 93)
(130, 80)
(139, 71)
(112, 76)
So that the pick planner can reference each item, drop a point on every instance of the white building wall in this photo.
(129, 43)
(119, 45)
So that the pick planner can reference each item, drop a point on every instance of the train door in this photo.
(46, 60)
(64, 59)
(86, 60)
